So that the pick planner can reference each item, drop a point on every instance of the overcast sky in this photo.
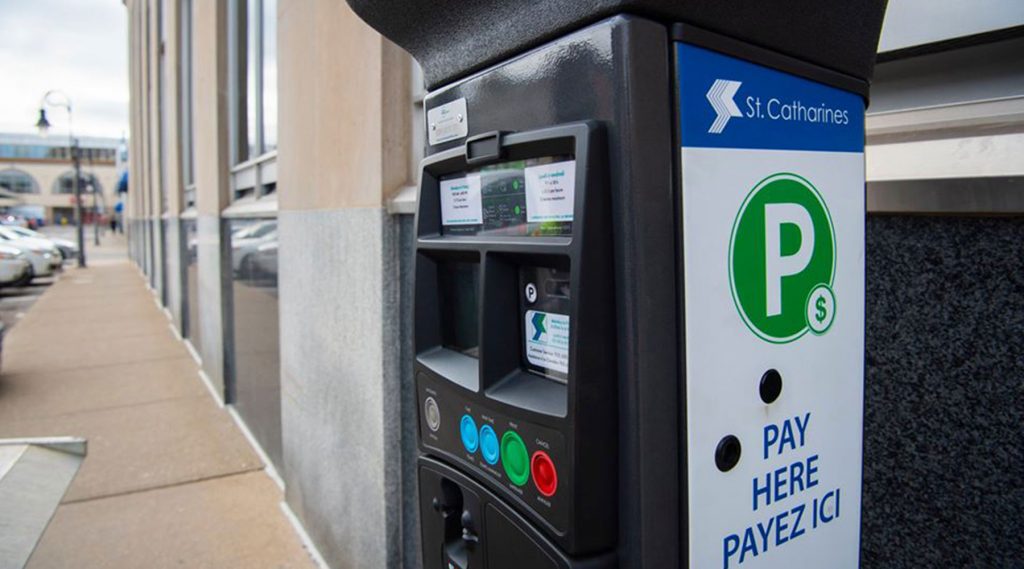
(75, 46)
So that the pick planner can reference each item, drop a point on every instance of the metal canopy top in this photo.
(452, 38)
(34, 475)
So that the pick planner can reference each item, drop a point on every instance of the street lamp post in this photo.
(43, 125)
(95, 214)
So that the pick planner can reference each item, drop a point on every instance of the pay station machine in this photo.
(639, 281)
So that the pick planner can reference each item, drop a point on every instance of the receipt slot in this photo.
(639, 283)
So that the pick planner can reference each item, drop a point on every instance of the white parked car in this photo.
(15, 268)
(43, 254)
(13, 221)
(68, 249)
(247, 240)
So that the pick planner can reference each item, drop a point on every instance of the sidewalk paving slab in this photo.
(169, 479)
(225, 522)
(27, 395)
(42, 357)
(97, 331)
(149, 445)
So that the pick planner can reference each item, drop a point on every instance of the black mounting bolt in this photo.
(771, 386)
(728, 453)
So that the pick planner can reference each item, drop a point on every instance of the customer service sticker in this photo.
(547, 340)
(550, 191)
(460, 201)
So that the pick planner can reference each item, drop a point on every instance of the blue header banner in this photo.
(726, 102)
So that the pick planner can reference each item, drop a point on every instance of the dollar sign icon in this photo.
(821, 309)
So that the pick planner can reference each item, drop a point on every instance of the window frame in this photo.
(252, 177)
(186, 103)
(163, 70)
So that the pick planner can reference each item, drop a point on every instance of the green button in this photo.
(514, 458)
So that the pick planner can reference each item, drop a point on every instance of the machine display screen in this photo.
(526, 198)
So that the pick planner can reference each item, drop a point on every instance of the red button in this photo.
(544, 475)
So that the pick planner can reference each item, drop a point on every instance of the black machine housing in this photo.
(620, 465)
(593, 81)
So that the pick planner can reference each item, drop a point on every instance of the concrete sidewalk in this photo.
(169, 481)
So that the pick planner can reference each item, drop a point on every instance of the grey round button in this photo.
(432, 413)
(531, 293)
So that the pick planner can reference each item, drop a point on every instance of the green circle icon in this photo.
(783, 247)
(821, 309)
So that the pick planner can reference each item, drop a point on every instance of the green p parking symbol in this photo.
(782, 260)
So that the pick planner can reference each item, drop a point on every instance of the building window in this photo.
(66, 184)
(94, 154)
(251, 219)
(254, 44)
(187, 167)
(162, 80)
(18, 182)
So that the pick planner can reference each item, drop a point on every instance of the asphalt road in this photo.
(16, 300)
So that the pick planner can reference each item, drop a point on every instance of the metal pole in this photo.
(75, 159)
(78, 203)
(95, 217)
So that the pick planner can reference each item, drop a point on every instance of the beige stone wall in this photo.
(152, 133)
(172, 98)
(134, 205)
(148, 141)
(210, 113)
(139, 178)
(130, 47)
(344, 109)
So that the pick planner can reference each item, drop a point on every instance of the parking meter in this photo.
(639, 291)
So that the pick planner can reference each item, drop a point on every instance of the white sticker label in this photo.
(449, 121)
(550, 192)
(460, 201)
(547, 340)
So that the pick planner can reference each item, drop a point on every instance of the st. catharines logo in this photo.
(721, 96)
(759, 106)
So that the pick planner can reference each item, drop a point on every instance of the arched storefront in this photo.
(18, 181)
(65, 184)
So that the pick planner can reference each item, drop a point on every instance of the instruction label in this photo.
(550, 191)
(460, 201)
(547, 340)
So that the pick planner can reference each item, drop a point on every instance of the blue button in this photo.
(489, 444)
(469, 437)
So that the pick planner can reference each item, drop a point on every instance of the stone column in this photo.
(345, 114)
(212, 163)
(172, 162)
